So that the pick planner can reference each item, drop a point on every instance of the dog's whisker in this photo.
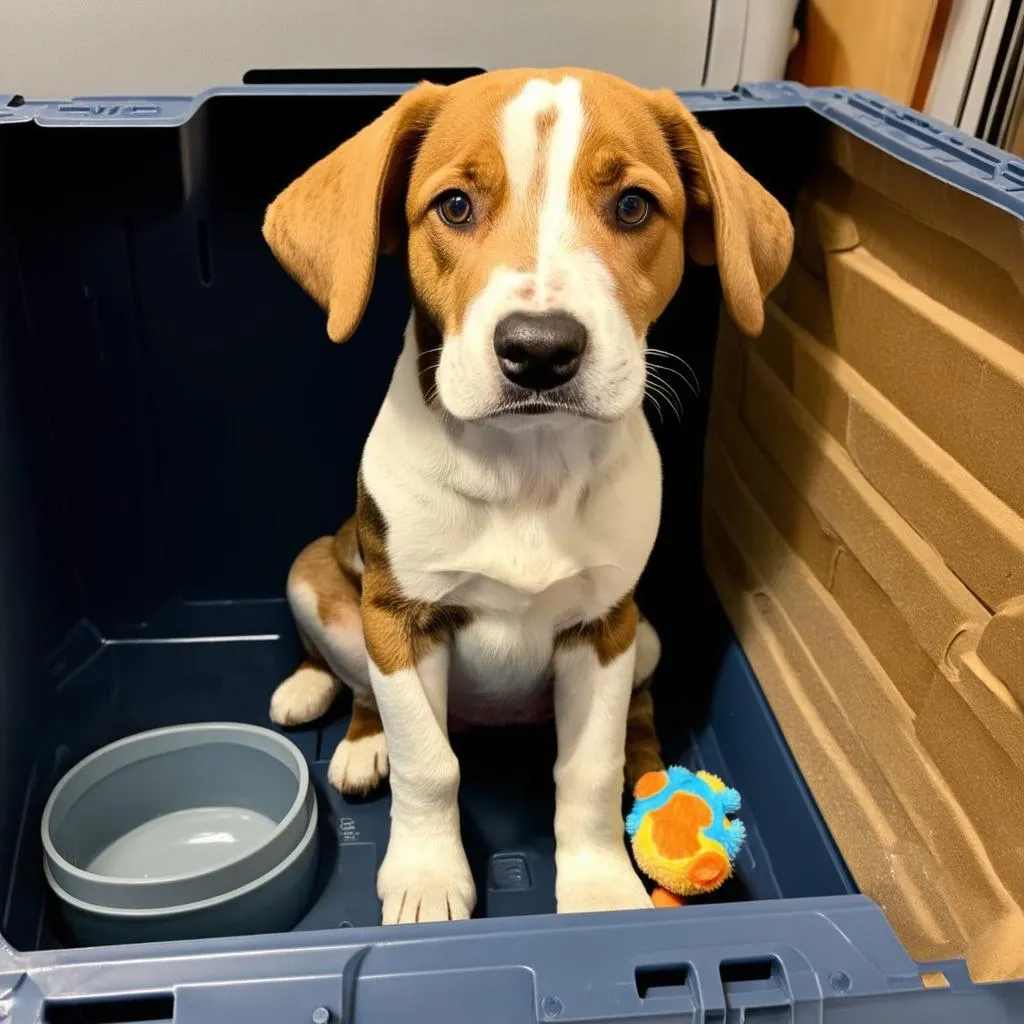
(653, 373)
(657, 408)
(654, 377)
(695, 385)
(423, 355)
(671, 396)
(666, 354)
(682, 376)
(691, 381)
(666, 392)
(431, 394)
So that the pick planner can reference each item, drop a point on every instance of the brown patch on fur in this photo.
(643, 751)
(337, 588)
(735, 222)
(328, 225)
(365, 721)
(609, 635)
(346, 550)
(449, 266)
(399, 631)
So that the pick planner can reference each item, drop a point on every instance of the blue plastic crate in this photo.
(165, 394)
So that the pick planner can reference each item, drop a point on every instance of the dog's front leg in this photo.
(593, 683)
(425, 875)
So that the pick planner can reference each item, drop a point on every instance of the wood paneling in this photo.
(866, 44)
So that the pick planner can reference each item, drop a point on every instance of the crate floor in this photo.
(222, 662)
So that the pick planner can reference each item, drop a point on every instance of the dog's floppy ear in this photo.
(731, 219)
(327, 226)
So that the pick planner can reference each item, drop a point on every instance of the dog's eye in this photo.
(455, 208)
(633, 209)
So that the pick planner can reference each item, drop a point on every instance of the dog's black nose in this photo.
(539, 351)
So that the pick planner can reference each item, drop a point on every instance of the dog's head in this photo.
(545, 216)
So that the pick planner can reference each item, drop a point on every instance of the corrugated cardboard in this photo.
(866, 822)
(960, 384)
(793, 517)
(935, 604)
(901, 831)
(864, 528)
(979, 537)
(885, 631)
(805, 299)
(986, 781)
(988, 700)
(862, 600)
(1001, 646)
(981, 226)
(956, 272)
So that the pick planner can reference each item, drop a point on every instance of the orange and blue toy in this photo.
(681, 832)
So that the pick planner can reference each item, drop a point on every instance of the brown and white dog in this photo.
(510, 489)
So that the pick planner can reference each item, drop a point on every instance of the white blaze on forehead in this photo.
(521, 149)
(541, 133)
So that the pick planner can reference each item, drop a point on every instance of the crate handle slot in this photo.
(662, 980)
(138, 1010)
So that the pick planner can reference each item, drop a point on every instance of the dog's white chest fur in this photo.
(532, 533)
(526, 578)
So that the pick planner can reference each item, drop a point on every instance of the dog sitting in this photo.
(509, 492)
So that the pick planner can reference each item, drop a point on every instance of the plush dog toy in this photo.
(681, 832)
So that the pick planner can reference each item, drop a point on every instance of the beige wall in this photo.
(60, 48)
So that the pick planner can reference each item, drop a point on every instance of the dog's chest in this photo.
(501, 669)
(524, 578)
(528, 548)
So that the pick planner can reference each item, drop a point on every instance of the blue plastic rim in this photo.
(168, 403)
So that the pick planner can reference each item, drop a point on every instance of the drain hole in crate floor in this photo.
(662, 981)
(111, 1011)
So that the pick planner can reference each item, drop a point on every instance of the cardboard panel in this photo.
(876, 786)
(992, 704)
(986, 781)
(805, 299)
(1001, 645)
(935, 604)
(980, 226)
(862, 600)
(979, 537)
(867, 821)
(884, 630)
(960, 384)
(948, 269)
(864, 526)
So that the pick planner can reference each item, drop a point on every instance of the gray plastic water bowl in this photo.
(187, 832)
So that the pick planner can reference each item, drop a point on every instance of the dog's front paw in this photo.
(359, 766)
(425, 880)
(304, 696)
(588, 881)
